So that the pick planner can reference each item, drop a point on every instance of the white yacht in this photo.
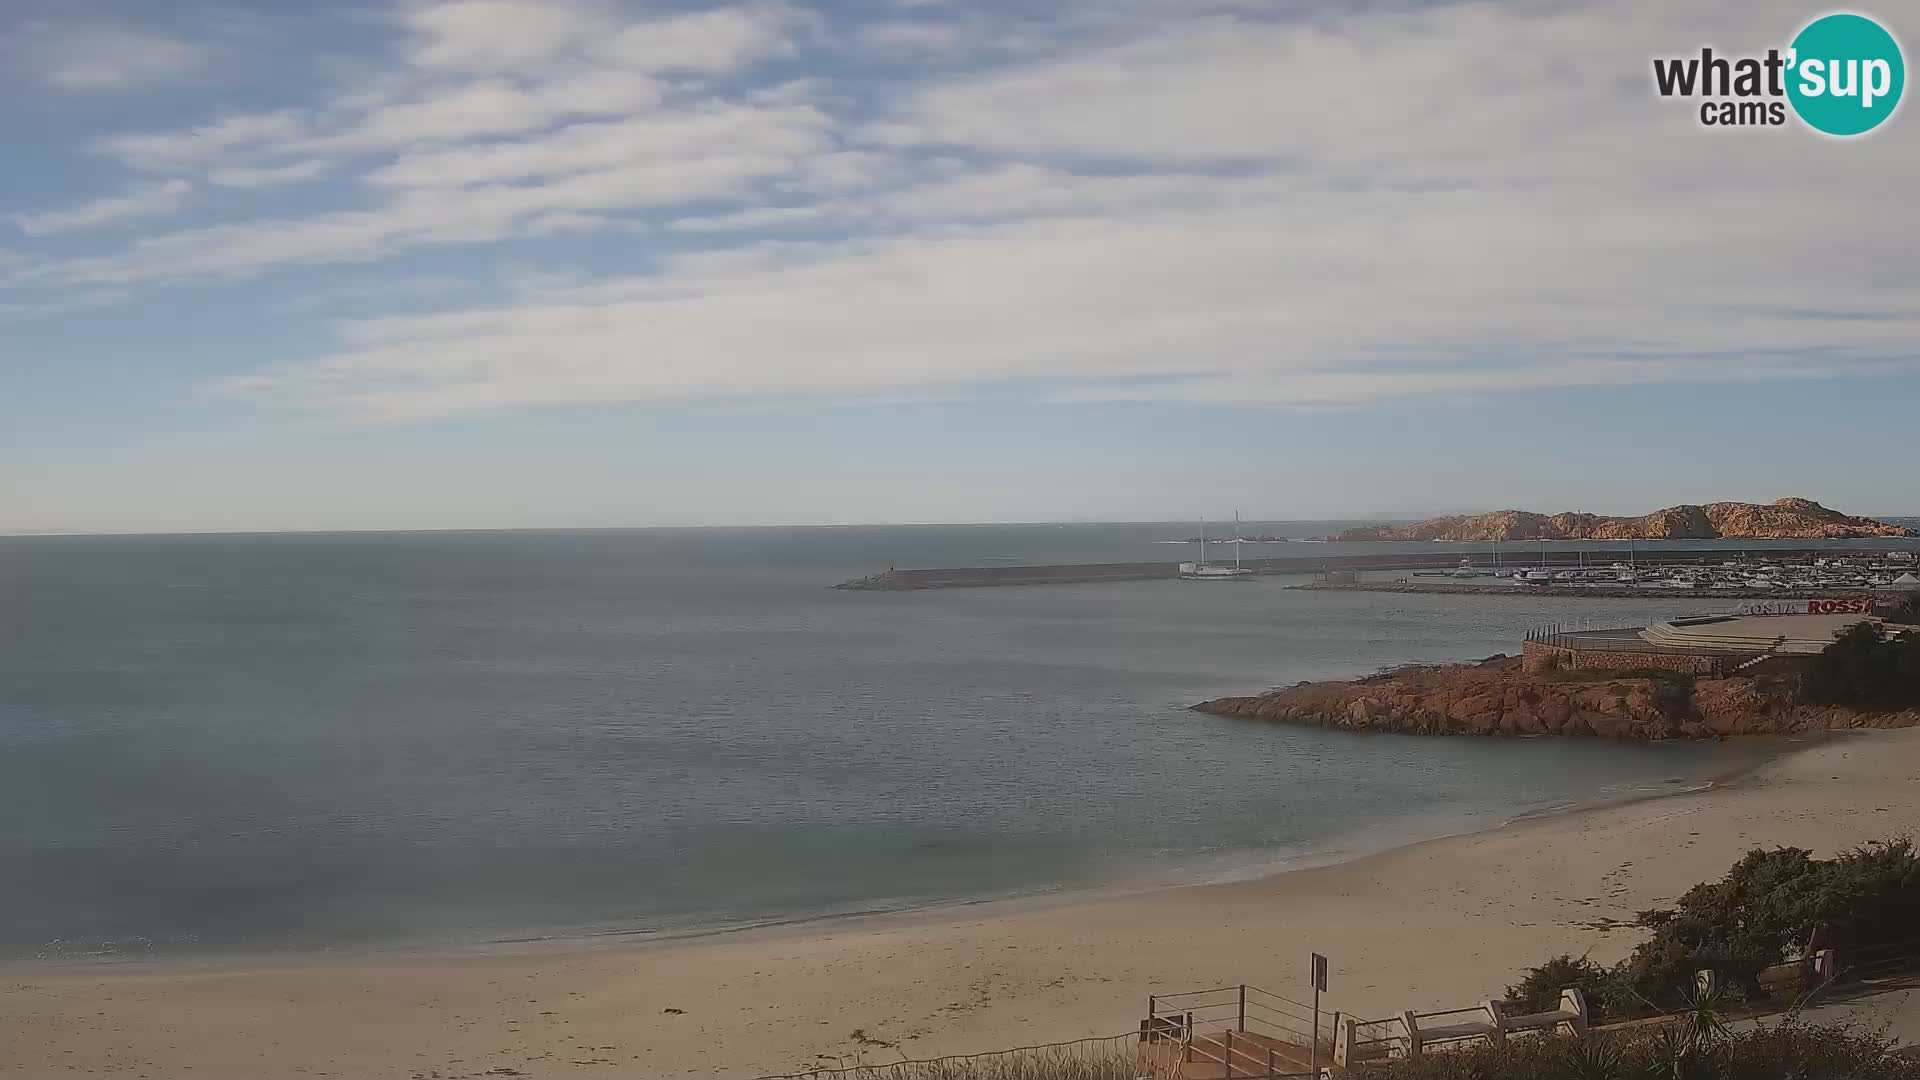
(1205, 571)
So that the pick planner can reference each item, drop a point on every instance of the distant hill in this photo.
(1786, 519)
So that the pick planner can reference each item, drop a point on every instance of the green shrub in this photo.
(1767, 1052)
(1906, 612)
(1772, 905)
(1865, 667)
(1608, 1000)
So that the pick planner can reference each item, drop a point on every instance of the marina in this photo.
(1702, 568)
(1833, 573)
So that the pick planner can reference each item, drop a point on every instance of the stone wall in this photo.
(1539, 656)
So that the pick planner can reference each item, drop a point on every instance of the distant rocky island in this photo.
(1785, 519)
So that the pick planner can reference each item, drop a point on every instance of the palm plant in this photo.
(1596, 1059)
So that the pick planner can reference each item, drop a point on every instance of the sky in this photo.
(556, 263)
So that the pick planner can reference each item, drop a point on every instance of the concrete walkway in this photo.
(1897, 1012)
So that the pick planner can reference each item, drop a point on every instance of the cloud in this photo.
(385, 293)
(687, 134)
(273, 176)
(500, 36)
(910, 36)
(1196, 304)
(758, 217)
(201, 145)
(561, 222)
(97, 56)
(495, 35)
(51, 307)
(709, 42)
(476, 69)
(417, 219)
(1208, 201)
(140, 202)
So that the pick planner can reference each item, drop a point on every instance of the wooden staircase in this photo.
(1234, 1033)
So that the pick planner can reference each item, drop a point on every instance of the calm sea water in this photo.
(295, 742)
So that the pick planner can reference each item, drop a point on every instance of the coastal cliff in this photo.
(1784, 519)
(1496, 697)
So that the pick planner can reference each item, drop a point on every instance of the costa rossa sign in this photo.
(1851, 605)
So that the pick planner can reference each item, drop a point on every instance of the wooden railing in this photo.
(1240, 1031)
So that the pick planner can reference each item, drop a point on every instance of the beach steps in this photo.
(1231, 1033)
(1227, 1055)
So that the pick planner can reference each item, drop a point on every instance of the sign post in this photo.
(1319, 985)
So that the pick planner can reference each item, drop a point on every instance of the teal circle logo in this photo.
(1845, 74)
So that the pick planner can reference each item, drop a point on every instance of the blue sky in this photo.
(471, 263)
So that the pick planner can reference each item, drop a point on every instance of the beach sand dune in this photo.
(1439, 923)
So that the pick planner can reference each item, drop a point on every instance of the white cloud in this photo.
(201, 145)
(910, 36)
(418, 218)
(503, 36)
(1219, 201)
(495, 35)
(384, 293)
(1191, 304)
(477, 69)
(848, 170)
(560, 222)
(139, 202)
(709, 42)
(271, 176)
(793, 131)
(64, 304)
(481, 108)
(758, 217)
(92, 57)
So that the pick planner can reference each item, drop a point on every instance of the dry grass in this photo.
(1087, 1059)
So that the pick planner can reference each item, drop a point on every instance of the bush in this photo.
(1772, 905)
(1906, 612)
(1608, 1000)
(1774, 1052)
(1866, 668)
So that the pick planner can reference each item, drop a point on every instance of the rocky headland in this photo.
(1785, 519)
(1497, 697)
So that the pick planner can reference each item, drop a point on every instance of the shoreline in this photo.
(1253, 866)
(1432, 923)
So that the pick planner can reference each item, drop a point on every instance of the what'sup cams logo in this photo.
(1842, 75)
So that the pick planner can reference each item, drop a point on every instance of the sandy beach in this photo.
(1438, 923)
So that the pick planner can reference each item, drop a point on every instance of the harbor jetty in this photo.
(965, 577)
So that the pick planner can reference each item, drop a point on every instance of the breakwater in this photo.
(964, 577)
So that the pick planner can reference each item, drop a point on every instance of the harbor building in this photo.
(1713, 644)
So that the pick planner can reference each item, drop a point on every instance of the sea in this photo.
(221, 745)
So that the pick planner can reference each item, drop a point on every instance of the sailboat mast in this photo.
(1203, 541)
(1236, 539)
